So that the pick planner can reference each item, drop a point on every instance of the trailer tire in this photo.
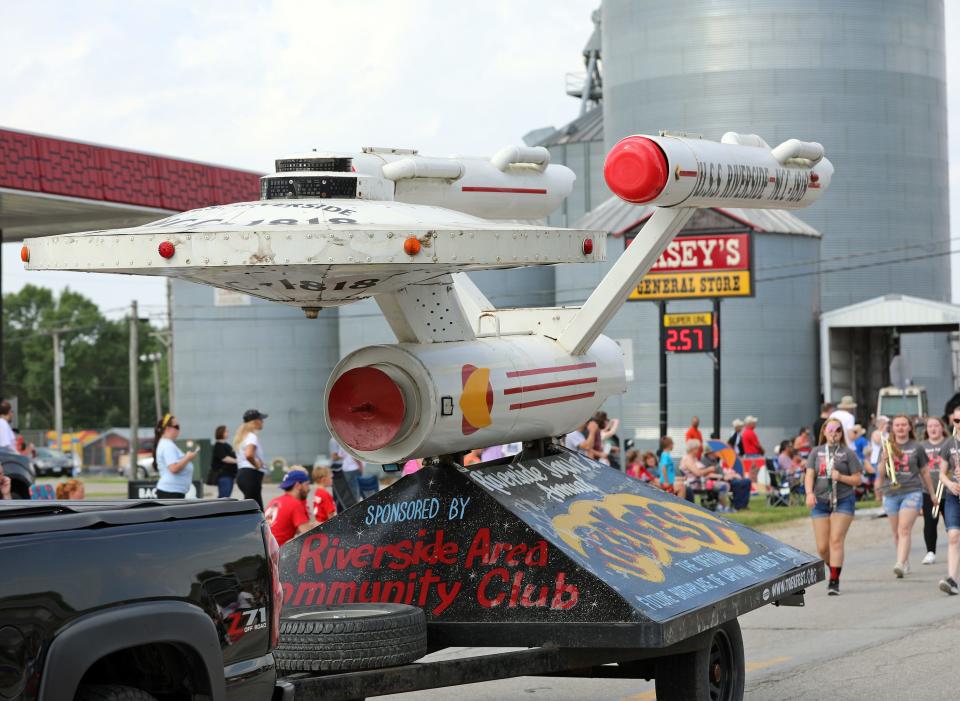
(350, 637)
(112, 692)
(712, 673)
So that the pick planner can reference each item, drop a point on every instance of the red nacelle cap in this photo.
(366, 408)
(636, 169)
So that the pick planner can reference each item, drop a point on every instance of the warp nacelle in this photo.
(388, 403)
(739, 171)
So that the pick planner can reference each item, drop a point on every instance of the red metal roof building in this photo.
(53, 186)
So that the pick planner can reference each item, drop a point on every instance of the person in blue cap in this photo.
(287, 513)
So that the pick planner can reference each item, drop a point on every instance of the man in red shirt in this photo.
(750, 442)
(287, 514)
(693, 434)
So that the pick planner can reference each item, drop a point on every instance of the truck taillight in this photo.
(276, 601)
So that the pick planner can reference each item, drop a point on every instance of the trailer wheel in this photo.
(713, 673)
(350, 637)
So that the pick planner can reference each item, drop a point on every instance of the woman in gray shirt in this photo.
(903, 498)
(833, 471)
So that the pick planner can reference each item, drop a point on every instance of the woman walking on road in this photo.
(175, 466)
(934, 442)
(950, 477)
(903, 499)
(250, 463)
(833, 472)
(223, 464)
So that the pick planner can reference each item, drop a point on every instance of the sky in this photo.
(240, 83)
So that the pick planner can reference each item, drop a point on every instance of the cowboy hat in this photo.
(847, 402)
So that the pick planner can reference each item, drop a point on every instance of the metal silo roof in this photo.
(586, 127)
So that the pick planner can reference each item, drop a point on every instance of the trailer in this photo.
(589, 571)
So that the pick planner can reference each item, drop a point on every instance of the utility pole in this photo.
(165, 336)
(134, 390)
(156, 391)
(57, 398)
(169, 345)
(155, 359)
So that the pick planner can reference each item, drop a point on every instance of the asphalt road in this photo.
(883, 638)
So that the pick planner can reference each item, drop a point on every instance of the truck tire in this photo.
(112, 692)
(712, 673)
(350, 637)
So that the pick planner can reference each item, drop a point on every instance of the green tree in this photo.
(95, 373)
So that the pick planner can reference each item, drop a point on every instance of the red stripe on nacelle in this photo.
(550, 385)
(513, 190)
(556, 368)
(554, 400)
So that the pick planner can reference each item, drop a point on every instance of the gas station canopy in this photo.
(55, 186)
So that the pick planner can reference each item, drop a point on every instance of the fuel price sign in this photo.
(692, 332)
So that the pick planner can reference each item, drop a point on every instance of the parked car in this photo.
(52, 462)
(146, 470)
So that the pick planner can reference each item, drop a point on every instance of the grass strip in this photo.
(761, 513)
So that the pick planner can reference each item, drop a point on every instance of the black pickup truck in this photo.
(127, 601)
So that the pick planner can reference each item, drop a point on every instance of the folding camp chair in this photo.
(779, 492)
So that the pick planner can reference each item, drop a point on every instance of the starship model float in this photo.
(545, 546)
(333, 228)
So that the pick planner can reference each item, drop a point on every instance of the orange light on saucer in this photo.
(411, 246)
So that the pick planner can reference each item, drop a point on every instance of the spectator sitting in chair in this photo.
(785, 459)
(642, 468)
(739, 485)
(698, 476)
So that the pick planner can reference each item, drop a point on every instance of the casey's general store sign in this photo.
(700, 265)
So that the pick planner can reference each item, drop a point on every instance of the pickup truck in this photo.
(137, 600)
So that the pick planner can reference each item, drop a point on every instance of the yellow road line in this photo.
(754, 666)
(642, 696)
(750, 667)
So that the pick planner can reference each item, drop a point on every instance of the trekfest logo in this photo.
(639, 535)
